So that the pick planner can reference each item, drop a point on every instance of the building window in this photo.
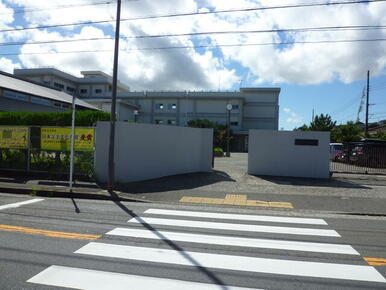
(159, 106)
(41, 101)
(159, 122)
(234, 123)
(70, 89)
(83, 91)
(58, 86)
(172, 107)
(98, 91)
(110, 88)
(235, 107)
(171, 122)
(15, 95)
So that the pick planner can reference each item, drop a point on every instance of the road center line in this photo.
(18, 204)
(375, 261)
(51, 234)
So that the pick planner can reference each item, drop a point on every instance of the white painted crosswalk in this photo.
(236, 241)
(79, 278)
(239, 217)
(235, 263)
(241, 237)
(235, 227)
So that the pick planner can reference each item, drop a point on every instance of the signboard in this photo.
(14, 137)
(59, 139)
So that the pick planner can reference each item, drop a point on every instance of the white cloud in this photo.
(205, 69)
(307, 63)
(7, 65)
(293, 118)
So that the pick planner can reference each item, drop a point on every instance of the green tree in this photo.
(322, 123)
(349, 132)
(220, 131)
(302, 128)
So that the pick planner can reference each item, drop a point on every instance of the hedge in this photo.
(83, 118)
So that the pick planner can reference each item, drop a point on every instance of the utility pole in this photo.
(229, 108)
(367, 102)
(111, 164)
(72, 143)
(313, 115)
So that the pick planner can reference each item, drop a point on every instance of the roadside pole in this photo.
(72, 143)
(229, 108)
(111, 164)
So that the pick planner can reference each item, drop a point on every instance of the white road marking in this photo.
(240, 217)
(237, 263)
(236, 241)
(235, 227)
(18, 204)
(86, 279)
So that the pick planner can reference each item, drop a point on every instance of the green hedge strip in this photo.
(83, 118)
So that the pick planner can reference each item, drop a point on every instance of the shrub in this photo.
(85, 118)
(218, 149)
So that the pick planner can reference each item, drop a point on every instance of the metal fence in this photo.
(367, 157)
(34, 158)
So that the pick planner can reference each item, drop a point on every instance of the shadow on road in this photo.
(176, 182)
(216, 280)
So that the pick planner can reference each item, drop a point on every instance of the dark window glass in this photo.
(307, 142)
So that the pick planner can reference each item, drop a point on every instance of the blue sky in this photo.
(326, 77)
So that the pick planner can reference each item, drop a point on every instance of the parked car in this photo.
(336, 151)
(369, 154)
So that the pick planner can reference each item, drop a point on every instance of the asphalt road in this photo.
(89, 244)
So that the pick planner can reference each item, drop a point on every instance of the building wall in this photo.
(145, 151)
(9, 105)
(275, 153)
(96, 85)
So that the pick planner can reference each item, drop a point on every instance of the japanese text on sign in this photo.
(59, 139)
(14, 137)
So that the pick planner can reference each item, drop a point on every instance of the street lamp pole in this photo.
(229, 108)
(110, 185)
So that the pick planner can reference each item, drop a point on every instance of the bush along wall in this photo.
(84, 118)
(48, 161)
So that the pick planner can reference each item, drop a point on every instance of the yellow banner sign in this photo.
(14, 137)
(59, 139)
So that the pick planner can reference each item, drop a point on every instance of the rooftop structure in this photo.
(20, 95)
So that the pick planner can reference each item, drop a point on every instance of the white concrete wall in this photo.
(145, 151)
(275, 153)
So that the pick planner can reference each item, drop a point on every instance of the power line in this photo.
(310, 29)
(202, 46)
(32, 9)
(198, 14)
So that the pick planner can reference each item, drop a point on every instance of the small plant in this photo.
(218, 152)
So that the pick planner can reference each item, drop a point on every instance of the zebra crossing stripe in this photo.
(236, 241)
(86, 279)
(235, 227)
(237, 263)
(239, 217)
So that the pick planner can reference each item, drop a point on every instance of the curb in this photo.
(55, 193)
